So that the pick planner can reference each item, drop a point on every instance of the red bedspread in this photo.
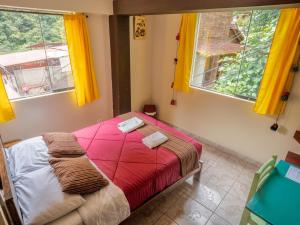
(139, 171)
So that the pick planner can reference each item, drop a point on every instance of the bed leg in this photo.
(198, 174)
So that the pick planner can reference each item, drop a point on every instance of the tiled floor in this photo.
(217, 199)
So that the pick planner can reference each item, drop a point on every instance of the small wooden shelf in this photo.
(297, 136)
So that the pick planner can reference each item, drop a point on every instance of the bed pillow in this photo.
(27, 156)
(78, 175)
(61, 149)
(41, 198)
(58, 136)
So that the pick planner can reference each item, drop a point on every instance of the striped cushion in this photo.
(62, 149)
(77, 175)
(62, 145)
(58, 136)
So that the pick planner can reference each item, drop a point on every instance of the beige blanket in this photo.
(108, 206)
(185, 151)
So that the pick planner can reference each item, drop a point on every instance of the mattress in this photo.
(139, 171)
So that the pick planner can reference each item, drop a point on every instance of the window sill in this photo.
(41, 96)
(221, 94)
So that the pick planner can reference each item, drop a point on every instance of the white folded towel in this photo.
(130, 124)
(155, 139)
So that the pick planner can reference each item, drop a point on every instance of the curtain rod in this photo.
(36, 11)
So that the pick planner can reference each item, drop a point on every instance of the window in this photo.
(34, 58)
(231, 51)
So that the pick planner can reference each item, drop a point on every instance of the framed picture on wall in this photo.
(139, 27)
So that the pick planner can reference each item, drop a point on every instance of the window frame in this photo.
(193, 86)
(52, 92)
(31, 97)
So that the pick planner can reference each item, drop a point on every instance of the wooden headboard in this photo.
(8, 200)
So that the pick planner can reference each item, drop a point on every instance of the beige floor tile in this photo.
(219, 178)
(246, 178)
(209, 196)
(217, 220)
(231, 209)
(205, 193)
(166, 201)
(233, 163)
(241, 189)
(147, 216)
(164, 220)
(186, 211)
(222, 169)
(248, 172)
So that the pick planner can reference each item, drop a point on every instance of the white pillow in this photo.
(27, 156)
(41, 199)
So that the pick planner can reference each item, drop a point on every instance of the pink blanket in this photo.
(137, 170)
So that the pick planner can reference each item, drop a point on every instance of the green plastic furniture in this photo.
(260, 176)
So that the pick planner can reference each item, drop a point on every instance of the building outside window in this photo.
(34, 58)
(231, 50)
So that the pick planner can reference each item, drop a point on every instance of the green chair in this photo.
(260, 176)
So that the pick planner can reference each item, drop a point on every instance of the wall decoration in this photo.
(284, 98)
(139, 27)
(173, 100)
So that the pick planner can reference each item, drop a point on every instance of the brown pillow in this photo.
(58, 136)
(77, 175)
(61, 149)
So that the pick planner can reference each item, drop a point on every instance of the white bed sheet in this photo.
(108, 206)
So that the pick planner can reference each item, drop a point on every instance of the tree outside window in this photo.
(231, 51)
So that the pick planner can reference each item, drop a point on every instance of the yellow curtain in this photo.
(6, 111)
(81, 58)
(284, 53)
(185, 52)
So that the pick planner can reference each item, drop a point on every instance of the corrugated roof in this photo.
(33, 55)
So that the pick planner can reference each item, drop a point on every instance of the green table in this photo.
(278, 200)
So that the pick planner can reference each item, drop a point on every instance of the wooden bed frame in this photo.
(7, 198)
(9, 202)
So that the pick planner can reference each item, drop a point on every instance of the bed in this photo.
(139, 172)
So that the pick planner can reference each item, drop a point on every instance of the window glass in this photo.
(34, 58)
(231, 50)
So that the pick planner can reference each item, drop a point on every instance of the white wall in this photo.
(140, 68)
(59, 112)
(225, 121)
